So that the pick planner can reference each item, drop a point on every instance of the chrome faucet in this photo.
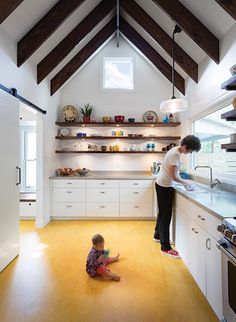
(214, 183)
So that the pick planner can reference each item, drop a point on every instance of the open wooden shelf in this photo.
(114, 124)
(230, 84)
(113, 152)
(157, 138)
(229, 116)
(230, 147)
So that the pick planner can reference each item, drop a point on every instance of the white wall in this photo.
(207, 96)
(24, 79)
(150, 89)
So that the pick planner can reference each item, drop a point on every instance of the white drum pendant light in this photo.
(174, 105)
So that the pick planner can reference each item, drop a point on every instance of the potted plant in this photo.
(86, 111)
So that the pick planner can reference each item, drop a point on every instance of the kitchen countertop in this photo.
(110, 175)
(220, 204)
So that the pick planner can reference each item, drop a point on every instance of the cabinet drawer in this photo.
(136, 195)
(103, 195)
(67, 183)
(68, 209)
(136, 210)
(103, 183)
(68, 195)
(204, 219)
(102, 210)
(27, 209)
(136, 184)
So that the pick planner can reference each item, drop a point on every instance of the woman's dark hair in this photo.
(191, 142)
(97, 239)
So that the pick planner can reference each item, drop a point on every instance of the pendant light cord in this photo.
(173, 66)
(176, 30)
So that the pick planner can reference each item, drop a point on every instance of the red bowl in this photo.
(119, 118)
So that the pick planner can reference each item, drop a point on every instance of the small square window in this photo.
(118, 73)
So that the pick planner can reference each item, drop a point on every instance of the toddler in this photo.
(97, 262)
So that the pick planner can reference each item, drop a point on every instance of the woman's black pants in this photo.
(165, 201)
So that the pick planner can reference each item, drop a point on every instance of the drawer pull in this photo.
(200, 217)
(68, 206)
(135, 184)
(102, 183)
(68, 191)
(102, 192)
(208, 243)
(136, 192)
(102, 207)
(194, 230)
(136, 206)
(69, 183)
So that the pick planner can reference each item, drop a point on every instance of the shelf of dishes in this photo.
(114, 137)
(116, 124)
(160, 152)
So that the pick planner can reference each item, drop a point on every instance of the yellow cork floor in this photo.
(48, 282)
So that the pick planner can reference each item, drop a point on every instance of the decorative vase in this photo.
(86, 119)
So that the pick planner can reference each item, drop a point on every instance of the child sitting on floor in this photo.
(97, 260)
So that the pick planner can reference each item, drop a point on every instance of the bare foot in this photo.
(116, 258)
(116, 278)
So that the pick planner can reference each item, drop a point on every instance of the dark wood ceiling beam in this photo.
(46, 66)
(7, 7)
(161, 64)
(83, 55)
(229, 6)
(161, 37)
(192, 26)
(45, 28)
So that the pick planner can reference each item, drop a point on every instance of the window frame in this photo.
(24, 130)
(102, 78)
(215, 105)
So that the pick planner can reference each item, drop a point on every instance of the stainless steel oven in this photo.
(227, 245)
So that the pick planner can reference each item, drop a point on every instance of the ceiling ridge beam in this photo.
(46, 66)
(7, 7)
(161, 64)
(229, 6)
(194, 28)
(161, 37)
(83, 55)
(44, 28)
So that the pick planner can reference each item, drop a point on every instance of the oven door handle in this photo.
(223, 249)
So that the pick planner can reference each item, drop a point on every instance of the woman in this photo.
(168, 174)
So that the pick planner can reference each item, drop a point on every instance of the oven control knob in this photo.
(228, 233)
(233, 238)
(221, 228)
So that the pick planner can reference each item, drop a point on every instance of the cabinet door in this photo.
(214, 277)
(136, 195)
(181, 233)
(196, 253)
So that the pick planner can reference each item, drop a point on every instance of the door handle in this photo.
(19, 176)
(208, 243)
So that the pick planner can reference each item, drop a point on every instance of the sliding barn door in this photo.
(9, 179)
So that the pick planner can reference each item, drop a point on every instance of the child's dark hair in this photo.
(191, 142)
(97, 239)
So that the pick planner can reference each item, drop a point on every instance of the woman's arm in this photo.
(174, 173)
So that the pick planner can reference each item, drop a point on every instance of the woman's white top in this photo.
(164, 178)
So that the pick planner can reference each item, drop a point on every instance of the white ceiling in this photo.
(30, 11)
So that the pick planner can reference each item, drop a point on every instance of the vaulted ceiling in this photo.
(60, 36)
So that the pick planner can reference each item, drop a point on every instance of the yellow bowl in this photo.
(106, 119)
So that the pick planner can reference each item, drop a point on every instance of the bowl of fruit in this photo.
(82, 172)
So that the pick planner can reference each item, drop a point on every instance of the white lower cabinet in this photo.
(197, 247)
(27, 209)
(102, 210)
(136, 210)
(102, 198)
(61, 209)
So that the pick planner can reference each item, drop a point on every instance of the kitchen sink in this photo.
(197, 188)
